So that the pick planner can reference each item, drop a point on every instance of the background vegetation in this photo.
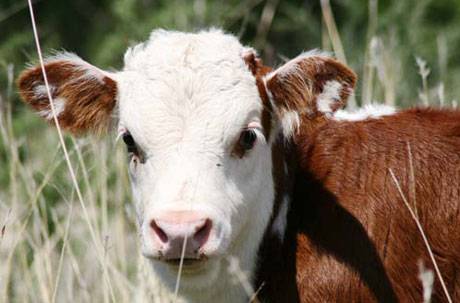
(53, 248)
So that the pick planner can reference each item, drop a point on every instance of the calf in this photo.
(232, 162)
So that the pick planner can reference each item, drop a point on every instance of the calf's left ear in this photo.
(308, 87)
(84, 96)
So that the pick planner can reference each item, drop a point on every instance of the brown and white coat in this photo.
(263, 167)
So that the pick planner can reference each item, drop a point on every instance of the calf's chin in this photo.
(198, 278)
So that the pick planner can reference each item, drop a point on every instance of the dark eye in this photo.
(247, 139)
(130, 143)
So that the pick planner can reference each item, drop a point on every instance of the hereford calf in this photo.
(258, 175)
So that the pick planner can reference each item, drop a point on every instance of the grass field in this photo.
(54, 248)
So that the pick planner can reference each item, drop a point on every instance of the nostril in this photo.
(159, 232)
(202, 232)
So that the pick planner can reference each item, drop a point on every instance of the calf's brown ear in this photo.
(308, 87)
(83, 95)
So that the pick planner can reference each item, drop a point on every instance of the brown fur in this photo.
(361, 243)
(77, 91)
(350, 237)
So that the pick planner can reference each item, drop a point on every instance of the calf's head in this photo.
(199, 114)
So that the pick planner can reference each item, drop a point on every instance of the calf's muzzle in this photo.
(177, 231)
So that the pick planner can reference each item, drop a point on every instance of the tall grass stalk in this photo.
(334, 36)
(422, 233)
(66, 154)
(368, 66)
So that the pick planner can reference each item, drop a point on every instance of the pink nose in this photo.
(171, 229)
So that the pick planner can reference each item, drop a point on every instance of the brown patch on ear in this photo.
(311, 87)
(259, 70)
(88, 99)
(297, 87)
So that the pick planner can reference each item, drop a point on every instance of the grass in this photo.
(52, 250)
(45, 246)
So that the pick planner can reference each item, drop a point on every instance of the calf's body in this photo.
(350, 238)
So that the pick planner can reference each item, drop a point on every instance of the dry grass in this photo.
(413, 212)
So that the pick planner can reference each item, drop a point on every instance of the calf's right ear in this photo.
(308, 89)
(84, 96)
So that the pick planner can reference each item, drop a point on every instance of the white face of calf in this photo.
(199, 134)
(201, 164)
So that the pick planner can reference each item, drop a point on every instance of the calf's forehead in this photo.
(187, 84)
(166, 49)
